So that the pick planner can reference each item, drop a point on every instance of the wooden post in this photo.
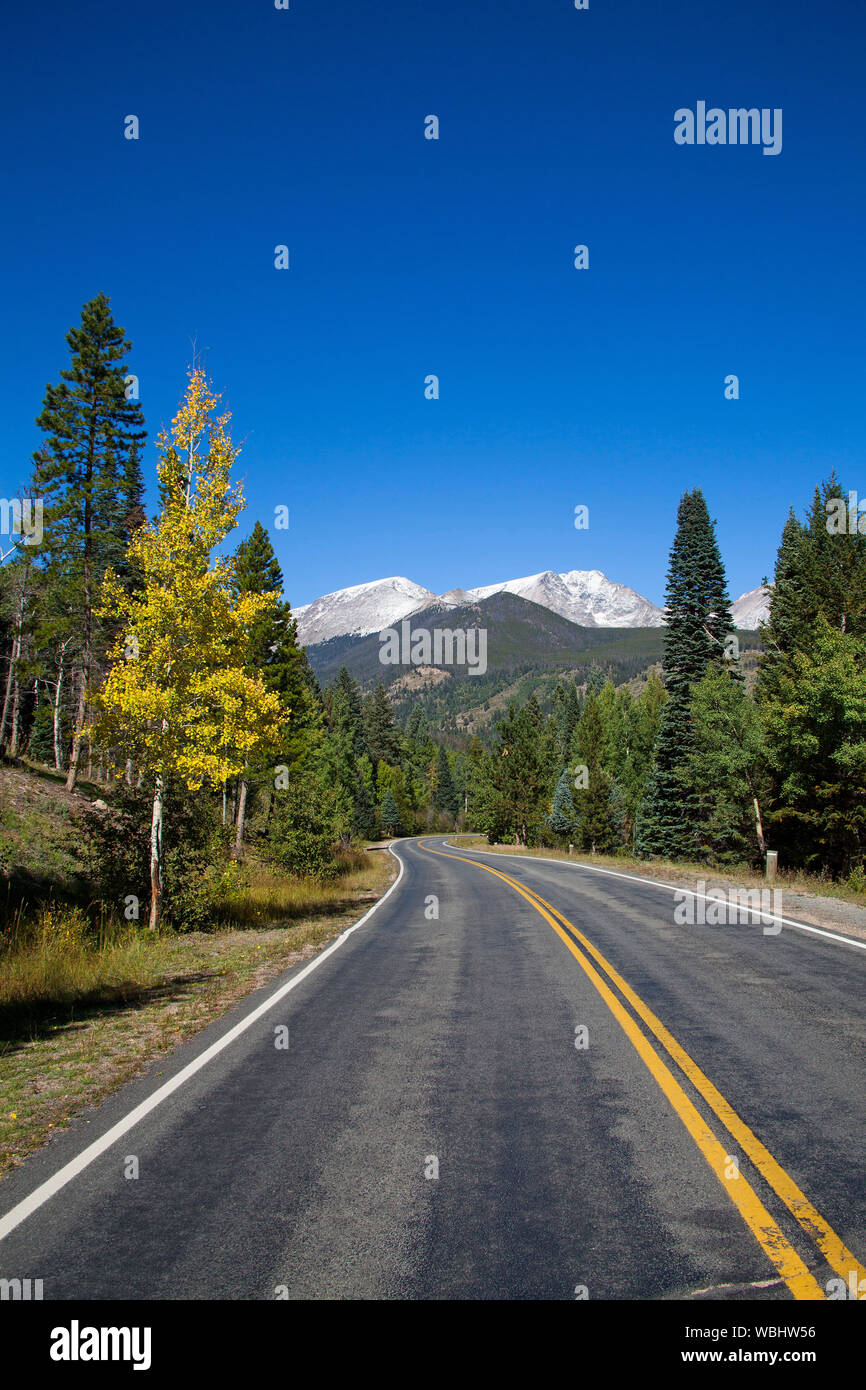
(772, 862)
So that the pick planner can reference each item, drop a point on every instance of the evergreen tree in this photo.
(595, 679)
(595, 823)
(820, 573)
(340, 762)
(282, 664)
(89, 476)
(816, 738)
(729, 768)
(390, 814)
(519, 775)
(345, 686)
(301, 834)
(698, 607)
(820, 589)
(380, 732)
(561, 819)
(445, 797)
(699, 626)
(17, 608)
(636, 726)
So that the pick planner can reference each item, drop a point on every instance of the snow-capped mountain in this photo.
(359, 610)
(752, 608)
(586, 597)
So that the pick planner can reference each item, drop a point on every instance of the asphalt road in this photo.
(427, 1045)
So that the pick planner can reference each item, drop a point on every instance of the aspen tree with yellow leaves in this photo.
(180, 700)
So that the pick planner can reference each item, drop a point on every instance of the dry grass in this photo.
(683, 871)
(83, 1009)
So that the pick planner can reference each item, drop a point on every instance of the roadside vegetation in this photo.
(790, 882)
(88, 1002)
(184, 808)
(709, 764)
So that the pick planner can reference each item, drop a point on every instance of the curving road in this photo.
(515, 1079)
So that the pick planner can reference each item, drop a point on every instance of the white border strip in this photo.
(76, 1165)
(658, 883)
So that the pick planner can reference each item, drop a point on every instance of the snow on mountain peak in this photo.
(752, 608)
(360, 609)
(586, 597)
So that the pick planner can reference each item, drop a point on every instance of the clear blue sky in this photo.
(410, 257)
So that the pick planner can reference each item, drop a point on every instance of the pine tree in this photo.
(346, 686)
(380, 732)
(445, 797)
(339, 759)
(88, 474)
(282, 664)
(636, 728)
(595, 679)
(595, 825)
(729, 767)
(699, 626)
(519, 775)
(390, 814)
(815, 726)
(819, 574)
(17, 608)
(820, 585)
(698, 607)
(562, 817)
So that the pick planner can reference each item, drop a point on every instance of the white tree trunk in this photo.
(75, 759)
(10, 683)
(58, 749)
(242, 816)
(156, 856)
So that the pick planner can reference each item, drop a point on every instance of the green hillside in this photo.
(528, 648)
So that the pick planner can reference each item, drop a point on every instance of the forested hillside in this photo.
(151, 661)
(705, 765)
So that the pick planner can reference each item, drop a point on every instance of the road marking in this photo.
(672, 888)
(837, 1254)
(765, 1229)
(77, 1165)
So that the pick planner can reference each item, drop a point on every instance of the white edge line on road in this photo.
(658, 883)
(76, 1165)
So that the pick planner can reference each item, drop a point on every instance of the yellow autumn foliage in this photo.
(180, 697)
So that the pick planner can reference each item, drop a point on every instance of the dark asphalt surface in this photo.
(303, 1170)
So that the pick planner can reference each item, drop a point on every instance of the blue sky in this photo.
(409, 257)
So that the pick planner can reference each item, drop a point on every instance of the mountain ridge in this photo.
(586, 598)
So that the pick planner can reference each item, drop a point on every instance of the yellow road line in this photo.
(837, 1254)
(764, 1228)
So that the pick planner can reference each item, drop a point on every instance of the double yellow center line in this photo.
(765, 1229)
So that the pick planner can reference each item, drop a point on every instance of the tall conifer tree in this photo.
(88, 474)
(699, 624)
(282, 664)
